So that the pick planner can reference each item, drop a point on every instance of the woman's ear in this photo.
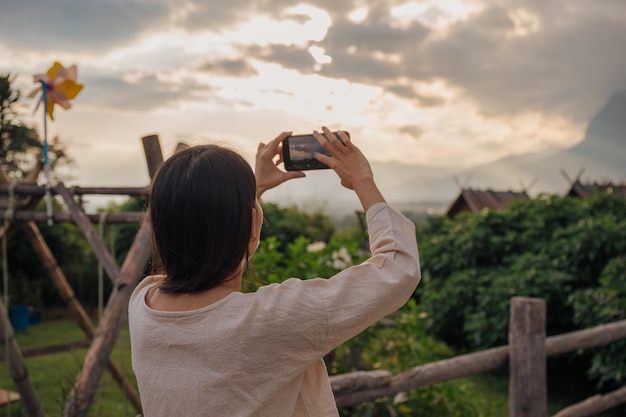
(255, 232)
(255, 225)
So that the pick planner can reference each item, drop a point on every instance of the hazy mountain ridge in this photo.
(419, 188)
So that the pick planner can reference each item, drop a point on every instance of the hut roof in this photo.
(477, 200)
(581, 190)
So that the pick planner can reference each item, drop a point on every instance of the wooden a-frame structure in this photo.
(101, 339)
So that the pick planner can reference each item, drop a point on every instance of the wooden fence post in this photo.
(17, 368)
(527, 359)
(153, 152)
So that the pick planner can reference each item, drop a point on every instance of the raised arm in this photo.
(350, 164)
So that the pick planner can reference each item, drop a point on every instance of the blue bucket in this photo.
(19, 315)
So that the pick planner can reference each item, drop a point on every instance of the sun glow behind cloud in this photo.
(384, 123)
(264, 30)
(436, 14)
(316, 97)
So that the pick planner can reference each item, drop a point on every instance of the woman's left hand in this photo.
(266, 170)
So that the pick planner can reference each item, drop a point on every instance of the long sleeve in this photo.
(319, 314)
(363, 294)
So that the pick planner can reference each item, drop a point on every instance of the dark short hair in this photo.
(201, 203)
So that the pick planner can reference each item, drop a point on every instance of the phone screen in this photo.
(298, 153)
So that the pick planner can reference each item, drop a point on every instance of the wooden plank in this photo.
(17, 368)
(361, 379)
(180, 146)
(48, 350)
(153, 153)
(39, 190)
(595, 405)
(111, 218)
(528, 393)
(99, 248)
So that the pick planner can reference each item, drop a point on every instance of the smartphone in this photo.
(298, 151)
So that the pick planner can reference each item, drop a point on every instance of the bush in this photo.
(567, 251)
(604, 304)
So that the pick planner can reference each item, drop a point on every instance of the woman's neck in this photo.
(164, 301)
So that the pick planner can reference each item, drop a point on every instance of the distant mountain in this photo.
(605, 140)
(600, 156)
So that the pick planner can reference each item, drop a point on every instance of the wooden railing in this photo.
(526, 353)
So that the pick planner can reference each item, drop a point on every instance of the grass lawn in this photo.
(53, 375)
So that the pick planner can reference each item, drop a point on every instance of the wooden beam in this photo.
(17, 369)
(111, 218)
(153, 153)
(180, 146)
(528, 393)
(595, 405)
(40, 190)
(361, 379)
(103, 255)
(48, 350)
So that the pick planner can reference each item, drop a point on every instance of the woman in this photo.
(200, 346)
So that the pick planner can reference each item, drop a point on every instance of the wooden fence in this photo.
(526, 353)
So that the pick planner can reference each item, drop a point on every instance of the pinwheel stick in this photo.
(46, 162)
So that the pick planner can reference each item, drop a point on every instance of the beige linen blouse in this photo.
(260, 354)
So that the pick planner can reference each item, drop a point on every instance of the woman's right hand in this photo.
(266, 170)
(350, 164)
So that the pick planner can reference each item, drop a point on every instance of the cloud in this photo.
(560, 57)
(569, 65)
(412, 130)
(143, 92)
(229, 67)
(409, 92)
(78, 26)
(294, 57)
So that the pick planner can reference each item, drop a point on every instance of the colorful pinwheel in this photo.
(57, 86)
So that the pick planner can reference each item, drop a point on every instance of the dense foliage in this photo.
(570, 252)
(285, 224)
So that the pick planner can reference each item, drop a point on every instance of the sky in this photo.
(445, 83)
